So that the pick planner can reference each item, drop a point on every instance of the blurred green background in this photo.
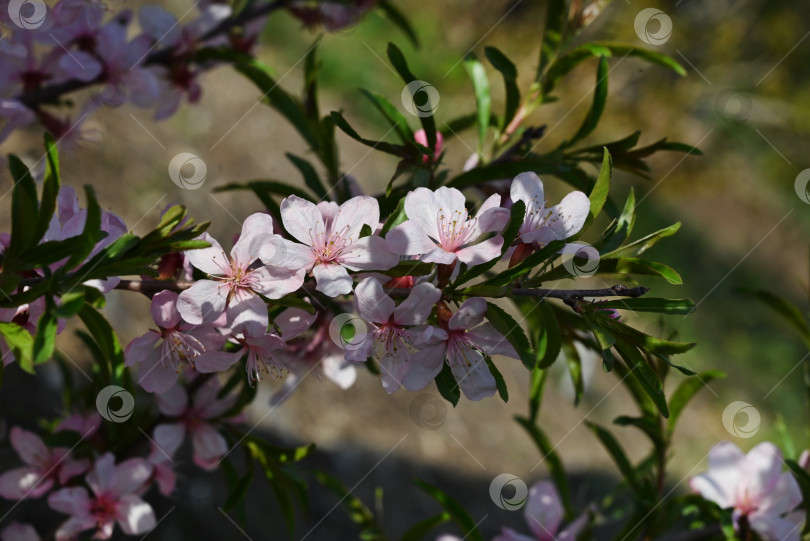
(745, 103)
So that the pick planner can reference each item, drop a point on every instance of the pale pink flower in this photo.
(544, 513)
(261, 349)
(440, 230)
(15, 115)
(194, 419)
(465, 345)
(44, 467)
(305, 354)
(163, 353)
(114, 499)
(544, 224)
(755, 486)
(331, 241)
(392, 331)
(236, 282)
(19, 532)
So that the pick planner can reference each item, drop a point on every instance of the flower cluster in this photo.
(411, 342)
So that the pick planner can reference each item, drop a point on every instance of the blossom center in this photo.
(180, 349)
(455, 229)
(459, 347)
(328, 244)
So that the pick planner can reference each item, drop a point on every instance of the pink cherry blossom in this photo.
(261, 350)
(331, 241)
(440, 230)
(163, 353)
(44, 467)
(755, 486)
(236, 282)
(194, 419)
(86, 425)
(19, 532)
(544, 513)
(114, 499)
(393, 331)
(309, 353)
(420, 136)
(544, 224)
(464, 344)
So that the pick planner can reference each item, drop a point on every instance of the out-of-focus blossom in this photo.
(19, 532)
(331, 241)
(260, 347)
(44, 467)
(194, 419)
(86, 425)
(114, 499)
(544, 513)
(332, 16)
(755, 487)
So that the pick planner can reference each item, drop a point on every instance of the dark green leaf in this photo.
(45, 337)
(641, 372)
(92, 231)
(401, 66)
(500, 384)
(597, 107)
(650, 304)
(21, 344)
(447, 385)
(421, 529)
(311, 178)
(50, 188)
(617, 454)
(24, 209)
(684, 393)
(395, 119)
(455, 509)
(511, 329)
(643, 244)
(382, 146)
(509, 73)
(399, 20)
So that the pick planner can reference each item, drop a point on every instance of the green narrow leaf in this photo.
(552, 462)
(455, 509)
(421, 529)
(447, 385)
(397, 217)
(24, 209)
(651, 304)
(401, 66)
(643, 244)
(617, 454)
(395, 119)
(50, 188)
(511, 329)
(556, 17)
(382, 146)
(784, 308)
(104, 335)
(500, 384)
(509, 73)
(641, 372)
(598, 105)
(240, 488)
(92, 231)
(574, 364)
(483, 100)
(311, 178)
(684, 393)
(538, 383)
(399, 20)
(549, 336)
(45, 337)
(21, 344)
(599, 194)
